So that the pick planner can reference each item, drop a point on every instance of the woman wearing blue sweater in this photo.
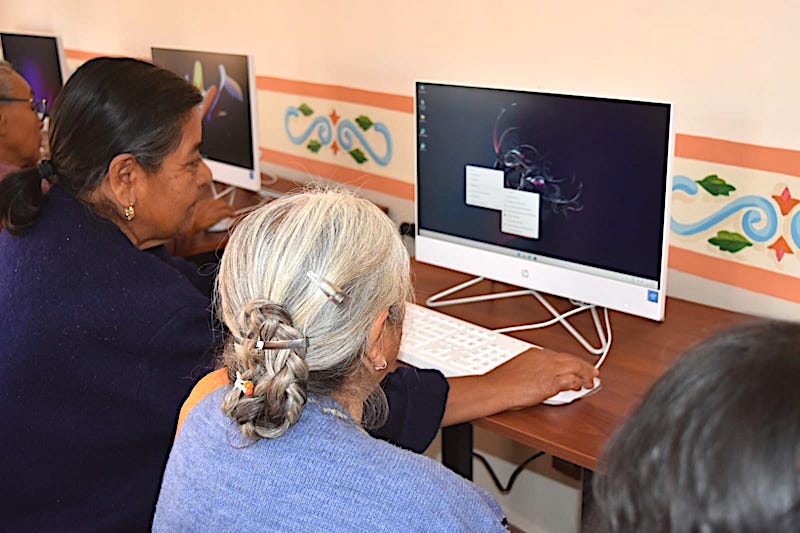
(312, 288)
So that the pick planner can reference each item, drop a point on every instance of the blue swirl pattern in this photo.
(346, 130)
(795, 229)
(751, 219)
(345, 133)
(321, 124)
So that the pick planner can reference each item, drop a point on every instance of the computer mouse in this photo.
(568, 396)
(222, 225)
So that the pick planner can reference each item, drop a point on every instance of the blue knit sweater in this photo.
(324, 474)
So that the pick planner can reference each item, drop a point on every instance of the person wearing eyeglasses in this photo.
(21, 117)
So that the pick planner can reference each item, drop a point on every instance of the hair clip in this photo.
(244, 385)
(293, 344)
(333, 292)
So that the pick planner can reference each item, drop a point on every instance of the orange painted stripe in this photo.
(203, 388)
(394, 102)
(346, 175)
(738, 154)
(81, 55)
(748, 277)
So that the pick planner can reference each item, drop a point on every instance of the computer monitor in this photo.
(560, 193)
(39, 59)
(230, 127)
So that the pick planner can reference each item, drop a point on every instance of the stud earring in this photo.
(381, 367)
(129, 213)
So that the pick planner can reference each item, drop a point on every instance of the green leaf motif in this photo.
(314, 145)
(305, 110)
(364, 122)
(358, 155)
(728, 241)
(716, 185)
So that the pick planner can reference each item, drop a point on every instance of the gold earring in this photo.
(129, 213)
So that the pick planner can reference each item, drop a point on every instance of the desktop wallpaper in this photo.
(223, 79)
(37, 60)
(599, 166)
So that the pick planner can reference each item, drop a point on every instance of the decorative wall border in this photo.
(743, 155)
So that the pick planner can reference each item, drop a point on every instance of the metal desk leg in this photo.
(457, 449)
(587, 499)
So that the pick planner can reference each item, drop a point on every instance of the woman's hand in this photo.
(208, 212)
(528, 379)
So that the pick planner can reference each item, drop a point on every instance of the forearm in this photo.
(473, 397)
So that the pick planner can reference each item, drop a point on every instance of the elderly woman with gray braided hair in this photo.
(312, 288)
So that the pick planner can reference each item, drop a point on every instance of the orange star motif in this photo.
(781, 248)
(785, 201)
(335, 148)
(334, 117)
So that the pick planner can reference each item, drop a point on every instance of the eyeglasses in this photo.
(38, 105)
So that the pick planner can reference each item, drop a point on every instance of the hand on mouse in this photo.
(526, 380)
(208, 212)
(539, 374)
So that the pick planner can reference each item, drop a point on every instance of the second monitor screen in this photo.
(224, 81)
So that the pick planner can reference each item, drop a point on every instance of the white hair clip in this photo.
(333, 292)
(244, 385)
(293, 344)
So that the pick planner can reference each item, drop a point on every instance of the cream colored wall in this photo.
(726, 65)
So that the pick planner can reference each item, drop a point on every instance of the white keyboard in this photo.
(455, 347)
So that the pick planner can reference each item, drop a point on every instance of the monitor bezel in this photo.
(222, 172)
(61, 57)
(523, 272)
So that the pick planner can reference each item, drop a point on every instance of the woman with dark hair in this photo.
(100, 341)
(715, 446)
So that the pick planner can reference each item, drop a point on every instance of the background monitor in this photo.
(39, 59)
(560, 193)
(227, 81)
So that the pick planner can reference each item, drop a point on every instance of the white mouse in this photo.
(568, 396)
(222, 225)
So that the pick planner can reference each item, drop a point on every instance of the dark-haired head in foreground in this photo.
(715, 446)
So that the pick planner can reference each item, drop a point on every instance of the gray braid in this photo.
(280, 376)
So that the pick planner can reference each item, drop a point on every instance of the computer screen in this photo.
(227, 81)
(38, 59)
(562, 193)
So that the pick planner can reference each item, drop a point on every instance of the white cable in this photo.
(608, 343)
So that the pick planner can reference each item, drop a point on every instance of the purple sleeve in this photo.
(416, 406)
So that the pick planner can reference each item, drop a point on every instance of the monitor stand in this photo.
(265, 191)
(437, 301)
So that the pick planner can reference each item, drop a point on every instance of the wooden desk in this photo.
(640, 353)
